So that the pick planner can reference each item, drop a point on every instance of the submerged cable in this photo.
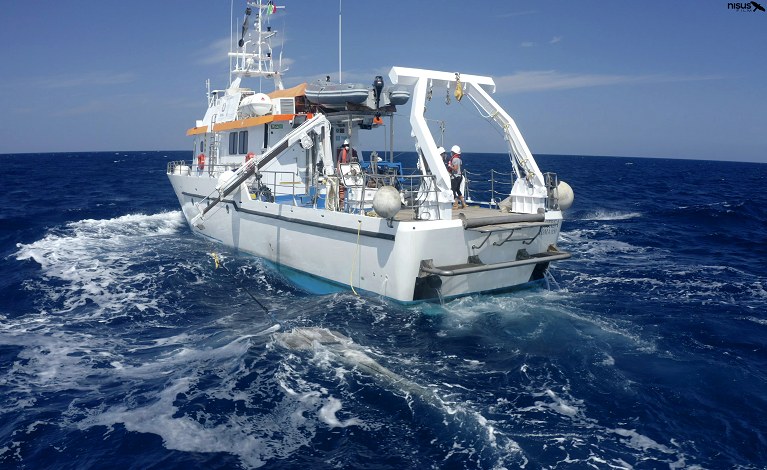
(219, 264)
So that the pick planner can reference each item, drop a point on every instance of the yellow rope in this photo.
(351, 276)
(215, 257)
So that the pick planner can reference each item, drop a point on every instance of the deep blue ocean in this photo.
(121, 347)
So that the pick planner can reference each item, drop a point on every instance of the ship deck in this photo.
(471, 212)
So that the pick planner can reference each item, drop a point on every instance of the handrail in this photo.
(494, 196)
(552, 190)
(416, 187)
(473, 184)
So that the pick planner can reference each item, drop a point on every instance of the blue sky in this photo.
(638, 79)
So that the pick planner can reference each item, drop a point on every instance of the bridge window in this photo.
(232, 143)
(243, 142)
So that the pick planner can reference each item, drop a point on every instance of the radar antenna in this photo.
(254, 56)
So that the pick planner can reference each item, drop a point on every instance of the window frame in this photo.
(233, 143)
(243, 142)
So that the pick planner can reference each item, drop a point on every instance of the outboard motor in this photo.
(378, 85)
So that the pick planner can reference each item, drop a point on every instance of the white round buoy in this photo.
(566, 195)
(386, 202)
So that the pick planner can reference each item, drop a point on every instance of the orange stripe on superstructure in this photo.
(197, 130)
(256, 121)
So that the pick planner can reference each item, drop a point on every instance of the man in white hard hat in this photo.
(347, 155)
(443, 154)
(455, 167)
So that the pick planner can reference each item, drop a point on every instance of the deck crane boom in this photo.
(318, 125)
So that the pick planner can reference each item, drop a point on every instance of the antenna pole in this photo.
(339, 42)
(231, 39)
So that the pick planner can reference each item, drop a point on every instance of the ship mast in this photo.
(254, 56)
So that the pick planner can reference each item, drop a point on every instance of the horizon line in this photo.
(412, 151)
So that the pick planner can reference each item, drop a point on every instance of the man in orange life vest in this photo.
(345, 155)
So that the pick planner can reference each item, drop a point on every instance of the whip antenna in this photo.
(339, 42)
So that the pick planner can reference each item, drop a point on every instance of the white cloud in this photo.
(527, 44)
(286, 62)
(215, 53)
(555, 39)
(529, 81)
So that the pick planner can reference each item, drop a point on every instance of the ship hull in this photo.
(326, 251)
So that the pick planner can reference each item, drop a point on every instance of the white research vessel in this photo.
(269, 177)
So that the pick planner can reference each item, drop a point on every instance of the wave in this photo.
(607, 260)
(169, 412)
(590, 245)
(602, 214)
(101, 262)
(536, 343)
(742, 214)
(263, 404)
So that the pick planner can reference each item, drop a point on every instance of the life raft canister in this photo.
(201, 161)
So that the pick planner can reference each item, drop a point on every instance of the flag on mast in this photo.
(270, 8)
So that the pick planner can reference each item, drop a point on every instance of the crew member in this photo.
(346, 155)
(443, 154)
(455, 167)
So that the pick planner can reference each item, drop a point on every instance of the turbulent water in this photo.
(122, 347)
